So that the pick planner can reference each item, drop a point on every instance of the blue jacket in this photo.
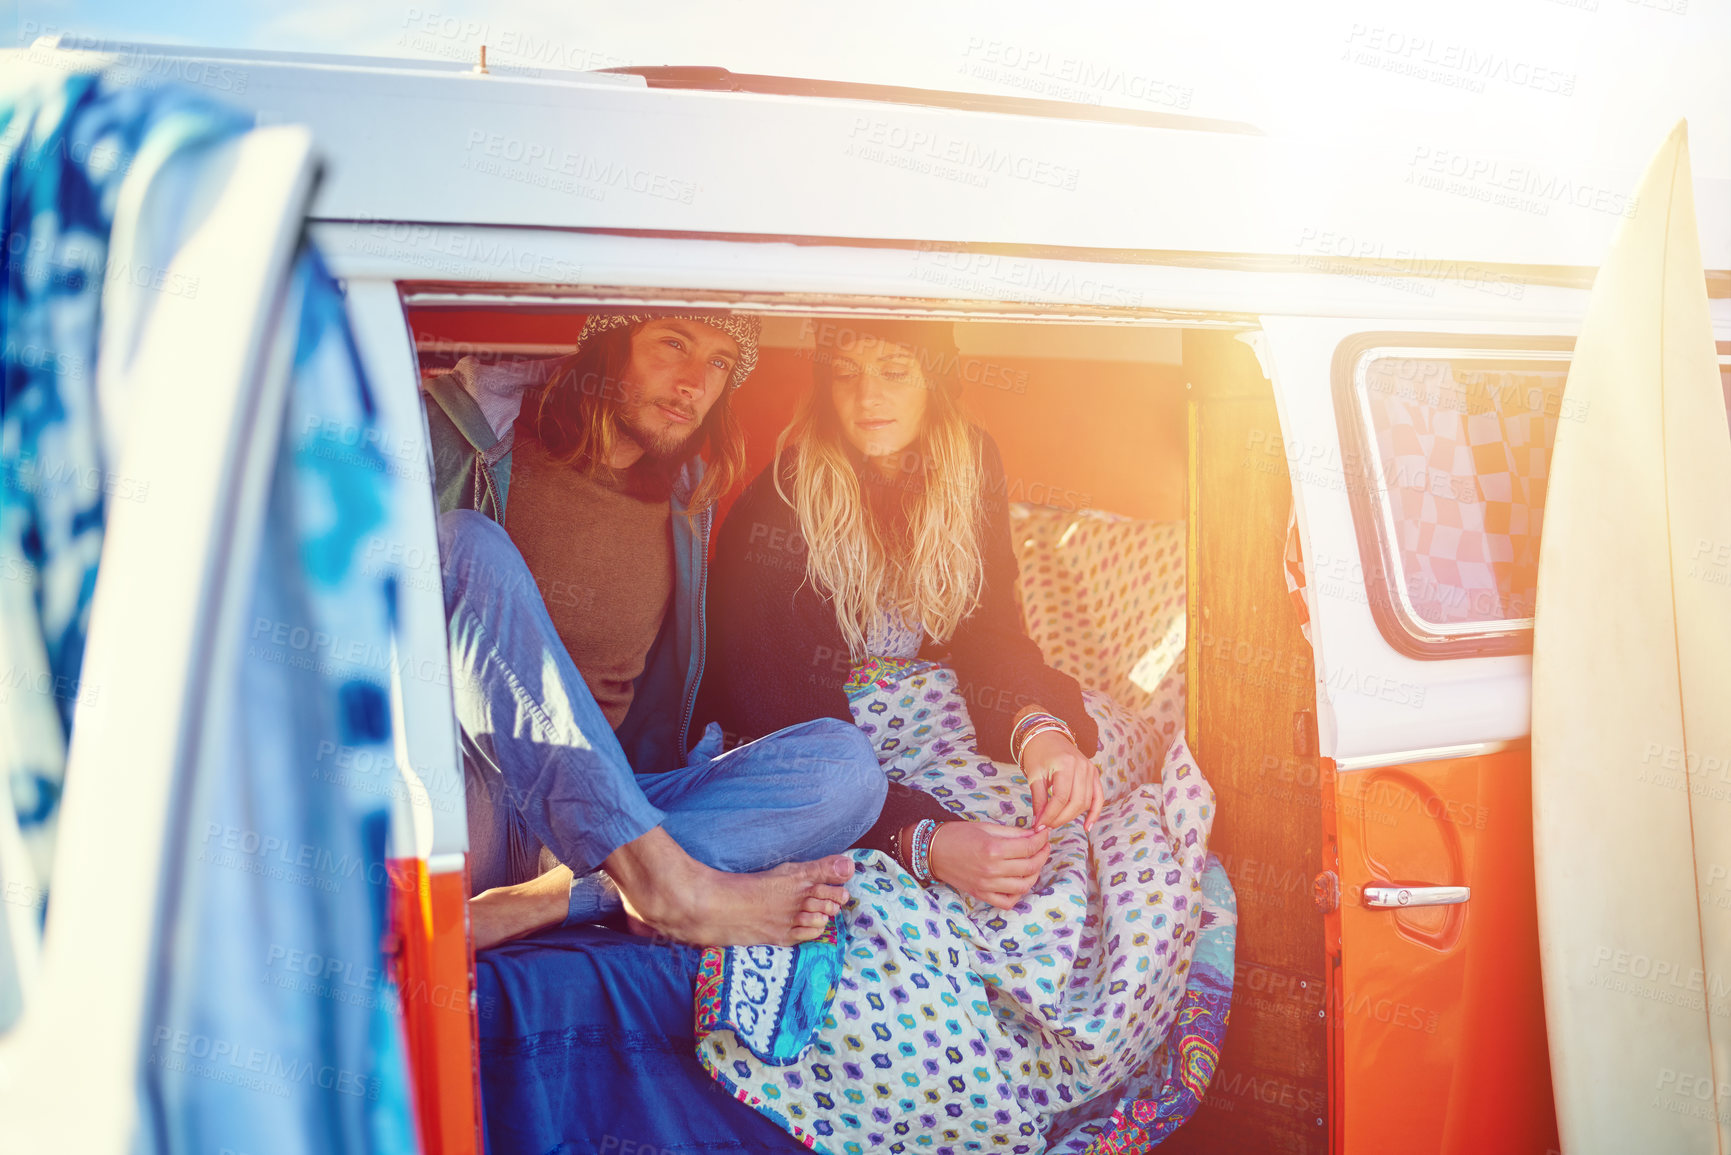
(472, 470)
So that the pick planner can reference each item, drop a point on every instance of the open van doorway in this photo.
(1150, 508)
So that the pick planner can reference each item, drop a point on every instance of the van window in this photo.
(1447, 449)
(1447, 446)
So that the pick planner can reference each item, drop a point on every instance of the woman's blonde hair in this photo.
(929, 571)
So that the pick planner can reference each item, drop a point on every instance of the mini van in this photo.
(1167, 317)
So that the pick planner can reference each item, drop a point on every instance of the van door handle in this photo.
(1395, 897)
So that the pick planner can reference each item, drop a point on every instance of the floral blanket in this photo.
(958, 1027)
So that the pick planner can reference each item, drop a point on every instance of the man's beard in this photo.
(665, 446)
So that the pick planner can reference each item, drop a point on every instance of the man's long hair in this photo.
(577, 418)
(922, 557)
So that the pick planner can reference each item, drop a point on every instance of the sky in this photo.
(1592, 81)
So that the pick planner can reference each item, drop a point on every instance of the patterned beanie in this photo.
(742, 327)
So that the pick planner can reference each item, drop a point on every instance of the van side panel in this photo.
(1440, 1013)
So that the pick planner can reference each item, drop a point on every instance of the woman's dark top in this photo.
(777, 657)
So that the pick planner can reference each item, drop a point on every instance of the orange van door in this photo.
(1417, 462)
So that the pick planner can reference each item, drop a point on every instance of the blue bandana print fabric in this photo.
(65, 152)
(772, 998)
(272, 1025)
(297, 994)
(959, 1027)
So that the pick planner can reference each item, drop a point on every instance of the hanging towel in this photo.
(271, 1022)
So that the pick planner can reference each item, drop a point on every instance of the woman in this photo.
(903, 507)
(1051, 986)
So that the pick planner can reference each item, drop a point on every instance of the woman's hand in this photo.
(1063, 781)
(995, 864)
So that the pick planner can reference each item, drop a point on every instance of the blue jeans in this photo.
(547, 781)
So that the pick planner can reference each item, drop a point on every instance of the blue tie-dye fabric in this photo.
(271, 1022)
(64, 153)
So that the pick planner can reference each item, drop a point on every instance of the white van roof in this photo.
(705, 152)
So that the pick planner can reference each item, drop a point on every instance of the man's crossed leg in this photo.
(730, 848)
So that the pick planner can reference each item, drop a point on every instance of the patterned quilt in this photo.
(958, 1027)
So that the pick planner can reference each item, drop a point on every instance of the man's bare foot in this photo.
(674, 895)
(508, 912)
(814, 912)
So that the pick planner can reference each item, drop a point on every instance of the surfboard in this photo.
(1631, 709)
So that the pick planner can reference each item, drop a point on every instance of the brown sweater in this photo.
(603, 562)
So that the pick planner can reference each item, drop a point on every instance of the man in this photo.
(577, 641)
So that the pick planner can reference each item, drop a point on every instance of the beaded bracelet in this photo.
(915, 857)
(924, 831)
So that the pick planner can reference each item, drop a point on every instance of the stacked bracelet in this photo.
(921, 849)
(1032, 723)
(915, 857)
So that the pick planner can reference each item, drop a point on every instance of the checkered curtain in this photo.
(1468, 492)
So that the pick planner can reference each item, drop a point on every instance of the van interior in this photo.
(1152, 507)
